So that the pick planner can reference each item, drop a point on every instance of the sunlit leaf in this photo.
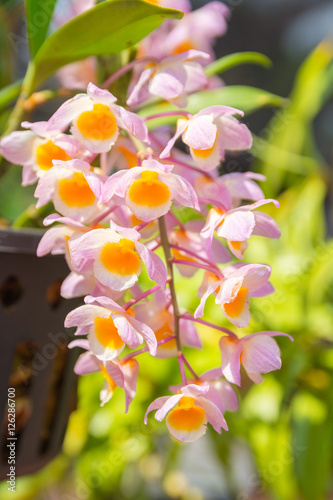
(107, 28)
(38, 17)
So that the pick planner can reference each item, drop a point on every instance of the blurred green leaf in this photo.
(38, 17)
(236, 59)
(107, 28)
(9, 94)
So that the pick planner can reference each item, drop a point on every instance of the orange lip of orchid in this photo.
(76, 192)
(97, 124)
(120, 258)
(149, 191)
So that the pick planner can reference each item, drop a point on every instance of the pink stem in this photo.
(145, 349)
(168, 113)
(141, 226)
(211, 269)
(101, 217)
(126, 68)
(181, 249)
(211, 325)
(182, 368)
(142, 296)
(174, 160)
(190, 368)
(170, 214)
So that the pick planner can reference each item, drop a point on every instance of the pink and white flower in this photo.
(209, 134)
(149, 190)
(171, 79)
(232, 292)
(117, 373)
(35, 149)
(238, 224)
(258, 353)
(187, 422)
(96, 120)
(114, 257)
(73, 188)
(109, 328)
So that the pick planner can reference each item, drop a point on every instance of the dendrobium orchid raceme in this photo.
(149, 190)
(114, 257)
(209, 134)
(187, 422)
(171, 79)
(119, 207)
(109, 328)
(258, 353)
(96, 120)
(232, 292)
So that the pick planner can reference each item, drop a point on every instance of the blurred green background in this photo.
(280, 441)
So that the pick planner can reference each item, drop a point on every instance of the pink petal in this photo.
(168, 82)
(233, 135)
(100, 95)
(237, 226)
(147, 333)
(154, 264)
(182, 125)
(261, 354)
(207, 233)
(230, 353)
(200, 309)
(265, 225)
(201, 132)
(167, 406)
(87, 363)
(127, 333)
(17, 147)
(213, 414)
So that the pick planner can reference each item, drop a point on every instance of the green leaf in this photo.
(232, 60)
(248, 99)
(107, 28)
(38, 16)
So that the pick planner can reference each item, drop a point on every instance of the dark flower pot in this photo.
(35, 360)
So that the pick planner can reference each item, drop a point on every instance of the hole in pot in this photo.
(20, 380)
(10, 291)
(54, 392)
(53, 296)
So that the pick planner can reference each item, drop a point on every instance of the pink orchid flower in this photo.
(96, 120)
(109, 328)
(117, 373)
(220, 391)
(232, 292)
(35, 149)
(238, 224)
(158, 315)
(187, 422)
(198, 29)
(114, 257)
(171, 79)
(73, 188)
(149, 190)
(209, 134)
(258, 353)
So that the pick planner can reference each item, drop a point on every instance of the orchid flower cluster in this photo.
(117, 188)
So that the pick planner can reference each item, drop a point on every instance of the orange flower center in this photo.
(183, 47)
(187, 416)
(120, 258)
(149, 191)
(47, 152)
(107, 377)
(76, 192)
(233, 309)
(107, 334)
(163, 333)
(99, 123)
(129, 156)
